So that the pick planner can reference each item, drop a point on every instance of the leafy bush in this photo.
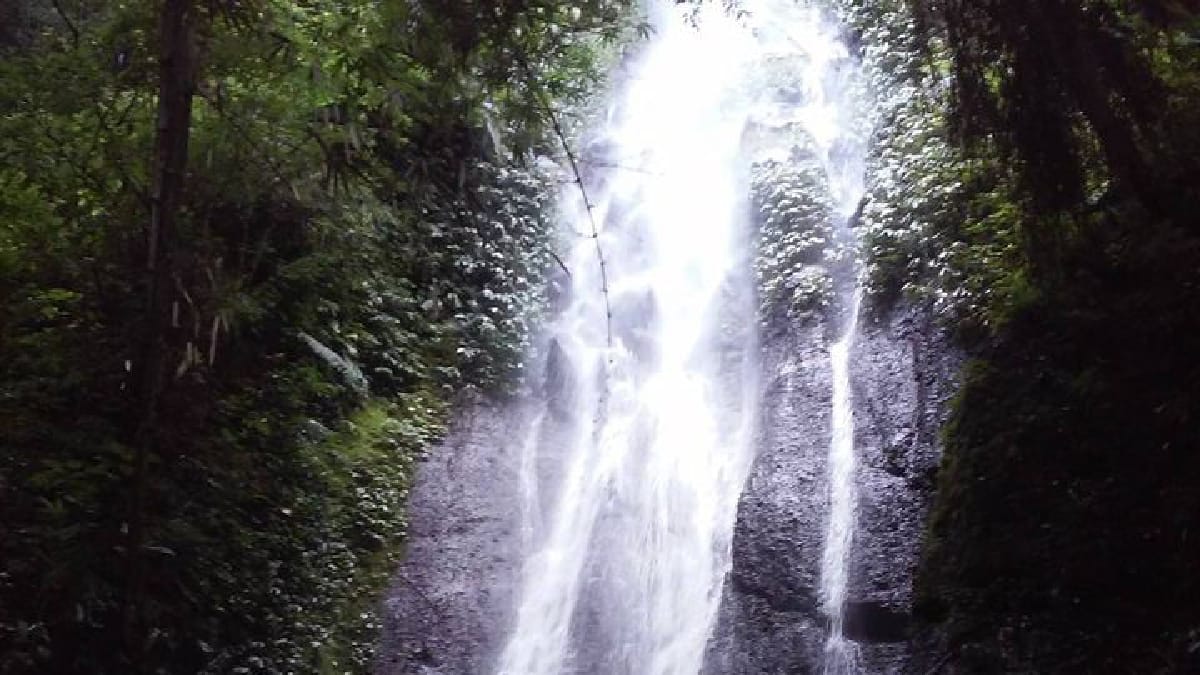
(797, 252)
(361, 232)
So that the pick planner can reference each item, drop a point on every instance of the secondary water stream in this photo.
(630, 486)
(839, 652)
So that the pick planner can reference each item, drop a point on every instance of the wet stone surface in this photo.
(903, 371)
(453, 595)
(770, 620)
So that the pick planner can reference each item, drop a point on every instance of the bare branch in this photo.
(587, 202)
(621, 167)
(560, 262)
(62, 14)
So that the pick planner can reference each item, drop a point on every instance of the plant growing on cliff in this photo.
(796, 246)
(253, 304)
(1055, 146)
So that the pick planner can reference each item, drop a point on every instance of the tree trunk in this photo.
(1065, 25)
(177, 65)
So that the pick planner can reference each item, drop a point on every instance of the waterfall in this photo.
(626, 574)
(842, 150)
(630, 477)
(833, 121)
(840, 652)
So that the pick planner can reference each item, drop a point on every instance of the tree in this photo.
(249, 252)
(176, 86)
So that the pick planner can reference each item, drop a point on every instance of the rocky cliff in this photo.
(450, 601)
(903, 371)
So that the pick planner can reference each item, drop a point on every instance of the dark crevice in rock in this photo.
(873, 622)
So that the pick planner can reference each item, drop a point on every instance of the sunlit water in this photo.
(628, 537)
(840, 653)
(842, 148)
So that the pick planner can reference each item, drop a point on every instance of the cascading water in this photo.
(627, 573)
(628, 532)
(840, 652)
(834, 125)
(842, 150)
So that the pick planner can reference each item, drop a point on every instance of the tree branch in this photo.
(62, 14)
(560, 262)
(540, 96)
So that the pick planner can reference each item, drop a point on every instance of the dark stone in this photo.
(559, 383)
(903, 371)
(452, 596)
(770, 620)
(874, 622)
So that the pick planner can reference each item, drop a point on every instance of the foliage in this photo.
(1060, 86)
(1069, 471)
(1030, 178)
(805, 260)
(939, 226)
(797, 252)
(363, 231)
(331, 531)
(957, 212)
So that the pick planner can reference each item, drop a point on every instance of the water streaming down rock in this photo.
(626, 572)
(635, 548)
(795, 565)
(717, 490)
(841, 147)
(840, 653)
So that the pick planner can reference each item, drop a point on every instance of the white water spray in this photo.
(629, 539)
(833, 121)
(840, 653)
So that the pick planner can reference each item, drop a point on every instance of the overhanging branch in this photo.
(542, 101)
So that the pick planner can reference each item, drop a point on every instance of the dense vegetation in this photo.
(795, 253)
(1035, 179)
(248, 250)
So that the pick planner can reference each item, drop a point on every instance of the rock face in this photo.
(452, 597)
(902, 373)
(770, 620)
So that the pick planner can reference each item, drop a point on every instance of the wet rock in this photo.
(903, 372)
(558, 384)
(875, 622)
(453, 595)
(770, 619)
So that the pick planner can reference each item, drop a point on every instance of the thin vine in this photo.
(587, 202)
